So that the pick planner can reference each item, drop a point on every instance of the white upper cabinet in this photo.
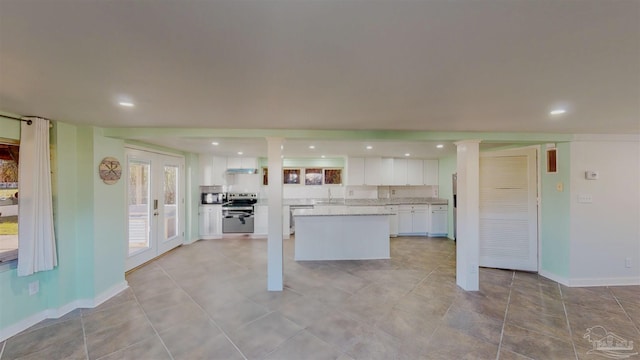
(369, 171)
(407, 172)
(386, 169)
(206, 169)
(414, 172)
(399, 172)
(431, 172)
(242, 163)
(219, 170)
(355, 171)
(373, 171)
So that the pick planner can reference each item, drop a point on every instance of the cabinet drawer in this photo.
(438, 207)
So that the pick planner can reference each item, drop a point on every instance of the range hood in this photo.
(234, 171)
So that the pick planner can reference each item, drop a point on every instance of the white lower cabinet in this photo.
(261, 220)
(210, 221)
(438, 220)
(413, 220)
(393, 220)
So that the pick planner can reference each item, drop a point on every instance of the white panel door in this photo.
(508, 210)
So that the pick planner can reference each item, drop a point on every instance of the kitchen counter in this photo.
(360, 202)
(342, 211)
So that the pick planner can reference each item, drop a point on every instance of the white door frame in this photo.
(158, 245)
(534, 200)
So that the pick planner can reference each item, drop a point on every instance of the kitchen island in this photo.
(342, 233)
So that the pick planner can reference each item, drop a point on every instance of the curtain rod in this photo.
(28, 121)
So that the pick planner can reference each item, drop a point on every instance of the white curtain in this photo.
(36, 239)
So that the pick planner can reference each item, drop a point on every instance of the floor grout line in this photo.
(203, 310)
(4, 343)
(504, 320)
(84, 336)
(566, 316)
(625, 310)
(150, 324)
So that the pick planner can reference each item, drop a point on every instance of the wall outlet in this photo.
(34, 287)
(350, 192)
(585, 198)
(627, 262)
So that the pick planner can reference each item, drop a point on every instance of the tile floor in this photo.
(208, 300)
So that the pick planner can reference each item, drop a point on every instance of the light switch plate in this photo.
(560, 187)
(591, 175)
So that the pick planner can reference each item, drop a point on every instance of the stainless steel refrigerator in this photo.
(454, 181)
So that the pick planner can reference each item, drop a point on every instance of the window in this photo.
(9, 153)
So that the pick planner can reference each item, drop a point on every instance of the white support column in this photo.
(275, 268)
(468, 212)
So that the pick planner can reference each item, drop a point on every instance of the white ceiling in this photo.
(492, 66)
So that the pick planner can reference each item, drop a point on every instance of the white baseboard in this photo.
(54, 313)
(587, 282)
(554, 277)
(604, 281)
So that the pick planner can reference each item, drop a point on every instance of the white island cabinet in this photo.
(261, 220)
(342, 234)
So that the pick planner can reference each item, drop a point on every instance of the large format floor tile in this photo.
(208, 300)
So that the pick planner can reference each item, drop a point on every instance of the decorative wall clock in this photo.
(110, 170)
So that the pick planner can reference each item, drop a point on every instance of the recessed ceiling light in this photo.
(439, 146)
(407, 154)
(557, 112)
(369, 147)
(312, 147)
(215, 143)
(323, 156)
(240, 152)
(126, 103)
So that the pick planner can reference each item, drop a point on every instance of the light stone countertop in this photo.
(342, 211)
(359, 202)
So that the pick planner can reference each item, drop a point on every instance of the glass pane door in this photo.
(139, 206)
(170, 203)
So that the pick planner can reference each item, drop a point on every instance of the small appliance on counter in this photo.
(212, 195)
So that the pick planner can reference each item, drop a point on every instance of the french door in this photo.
(155, 205)
(508, 209)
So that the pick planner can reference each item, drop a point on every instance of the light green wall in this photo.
(307, 162)
(192, 173)
(89, 224)
(446, 168)
(556, 214)
(109, 219)
(9, 128)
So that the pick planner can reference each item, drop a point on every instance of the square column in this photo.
(468, 215)
(275, 265)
